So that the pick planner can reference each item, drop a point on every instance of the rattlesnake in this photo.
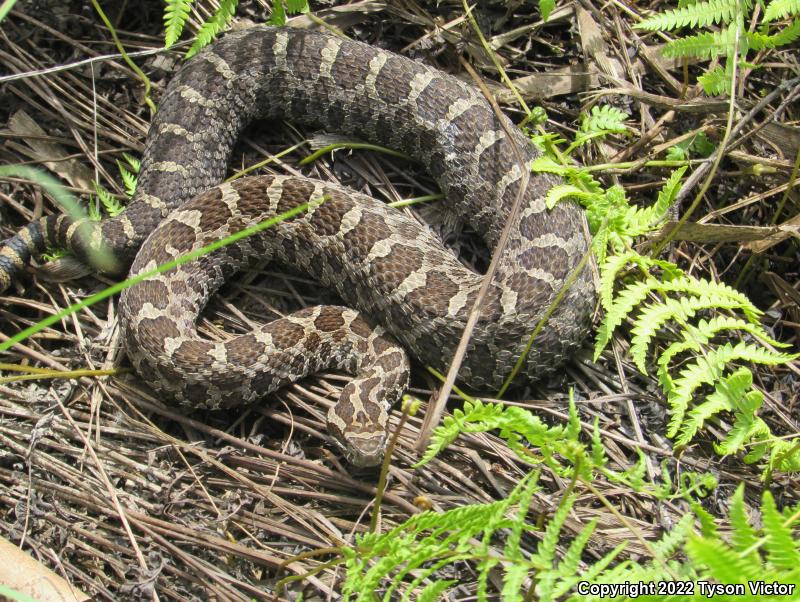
(378, 259)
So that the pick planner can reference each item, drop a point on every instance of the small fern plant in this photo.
(713, 330)
(728, 34)
(176, 13)
(409, 561)
(128, 172)
(414, 561)
(105, 203)
(748, 557)
(558, 448)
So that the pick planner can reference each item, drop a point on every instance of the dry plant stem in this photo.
(226, 437)
(476, 28)
(145, 80)
(111, 492)
(303, 556)
(647, 545)
(103, 58)
(701, 171)
(81, 47)
(748, 266)
(434, 413)
(631, 407)
(543, 321)
(45, 373)
(387, 462)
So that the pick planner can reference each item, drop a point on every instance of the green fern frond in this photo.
(110, 204)
(522, 430)
(280, 8)
(294, 7)
(513, 579)
(432, 540)
(707, 329)
(512, 547)
(654, 316)
(614, 264)
(699, 14)
(675, 537)
(598, 449)
(784, 37)
(726, 295)
(708, 527)
(693, 337)
(781, 9)
(568, 573)
(716, 293)
(175, 14)
(723, 563)
(727, 393)
(546, 552)
(783, 550)
(768, 554)
(600, 243)
(703, 45)
(128, 179)
(434, 591)
(545, 8)
(635, 475)
(708, 369)
(581, 178)
(546, 164)
(633, 572)
(643, 220)
(631, 296)
(611, 268)
(716, 81)
(697, 416)
(690, 342)
(666, 196)
(784, 456)
(211, 28)
(571, 562)
(747, 428)
(597, 124)
(563, 191)
(743, 535)
(133, 163)
(604, 119)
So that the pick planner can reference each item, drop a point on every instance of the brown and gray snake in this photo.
(379, 260)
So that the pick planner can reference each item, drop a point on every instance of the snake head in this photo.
(359, 428)
(364, 451)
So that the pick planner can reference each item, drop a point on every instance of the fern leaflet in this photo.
(699, 14)
(211, 28)
(707, 369)
(782, 549)
(781, 9)
(175, 14)
(703, 45)
(716, 81)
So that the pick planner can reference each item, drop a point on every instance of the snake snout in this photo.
(363, 443)
(363, 452)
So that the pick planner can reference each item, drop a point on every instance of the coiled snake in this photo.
(378, 259)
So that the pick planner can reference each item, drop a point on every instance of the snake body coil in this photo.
(378, 259)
